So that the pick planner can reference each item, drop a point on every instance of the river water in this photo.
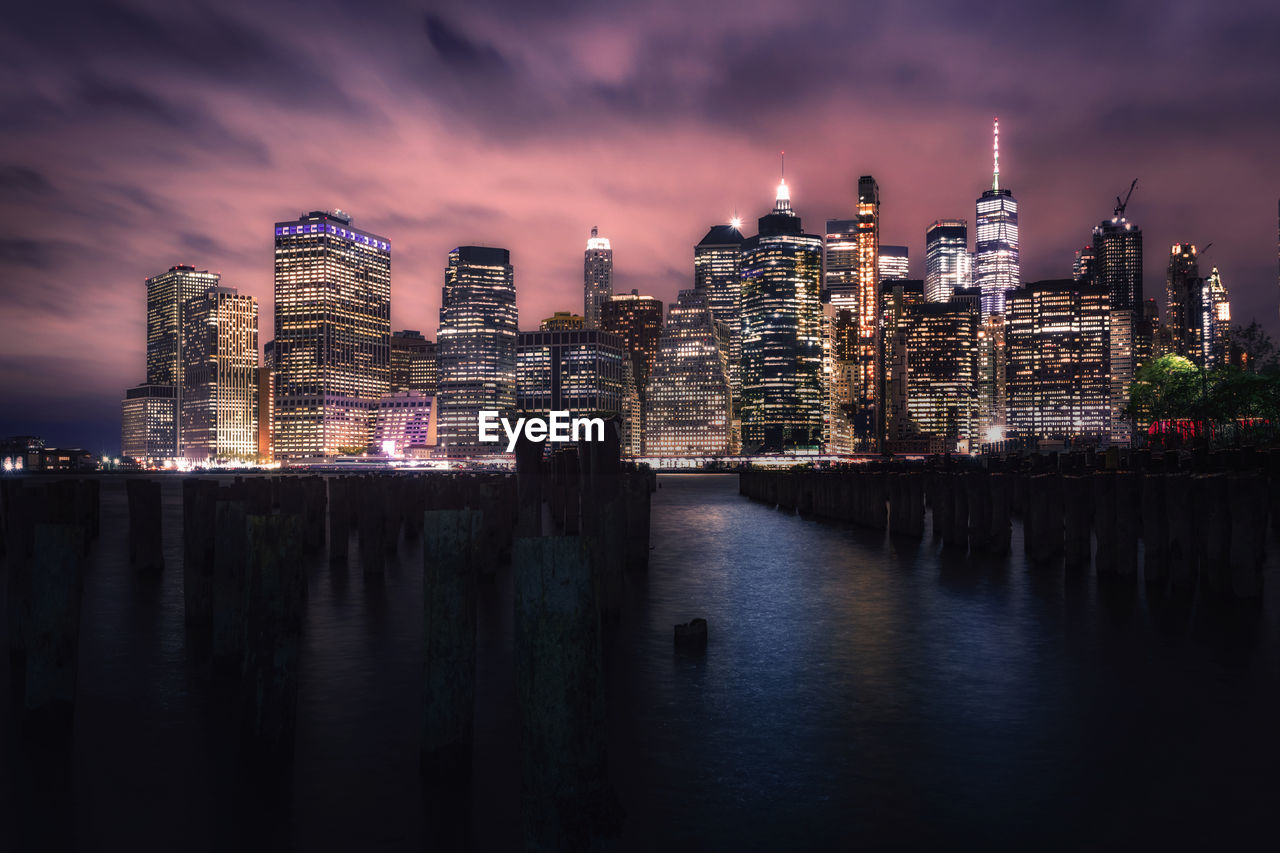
(857, 691)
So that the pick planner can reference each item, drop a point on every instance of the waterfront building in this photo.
(597, 277)
(581, 371)
(332, 335)
(690, 403)
(405, 424)
(477, 346)
(149, 423)
(996, 266)
(414, 363)
(717, 272)
(219, 397)
(563, 321)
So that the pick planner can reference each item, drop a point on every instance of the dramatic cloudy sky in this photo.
(139, 134)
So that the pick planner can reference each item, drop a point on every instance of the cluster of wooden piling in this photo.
(583, 522)
(1200, 517)
(46, 530)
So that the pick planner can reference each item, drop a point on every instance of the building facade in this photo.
(168, 294)
(149, 423)
(405, 424)
(1059, 352)
(219, 412)
(637, 320)
(946, 259)
(782, 380)
(414, 363)
(690, 398)
(563, 321)
(332, 335)
(477, 346)
(581, 371)
(717, 272)
(941, 373)
(893, 262)
(597, 277)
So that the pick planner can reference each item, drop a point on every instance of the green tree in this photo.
(1166, 388)
(1257, 346)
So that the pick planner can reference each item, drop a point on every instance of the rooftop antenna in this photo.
(995, 150)
(1121, 205)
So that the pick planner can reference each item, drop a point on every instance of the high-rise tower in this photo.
(867, 391)
(996, 268)
(476, 346)
(332, 335)
(782, 389)
(946, 259)
(220, 376)
(689, 403)
(597, 277)
(168, 295)
(1184, 289)
(717, 272)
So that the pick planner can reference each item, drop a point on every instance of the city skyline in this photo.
(211, 171)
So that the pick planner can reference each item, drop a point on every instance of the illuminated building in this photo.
(690, 404)
(839, 373)
(149, 423)
(782, 387)
(946, 259)
(991, 379)
(996, 269)
(942, 369)
(867, 381)
(717, 272)
(167, 297)
(405, 423)
(597, 277)
(840, 264)
(414, 366)
(638, 321)
(1059, 384)
(477, 346)
(893, 262)
(1184, 289)
(1085, 264)
(562, 321)
(219, 411)
(1117, 261)
(579, 371)
(1216, 322)
(897, 298)
(332, 335)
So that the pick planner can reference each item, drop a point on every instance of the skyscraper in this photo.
(406, 423)
(897, 300)
(562, 321)
(1184, 289)
(942, 370)
(149, 423)
(946, 259)
(220, 376)
(689, 400)
(638, 321)
(1084, 266)
(1059, 360)
(717, 272)
(867, 405)
(168, 295)
(996, 268)
(840, 334)
(414, 363)
(597, 277)
(1117, 261)
(576, 370)
(332, 335)
(894, 262)
(840, 264)
(477, 346)
(782, 389)
(1216, 323)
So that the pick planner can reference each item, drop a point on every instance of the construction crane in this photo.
(1121, 205)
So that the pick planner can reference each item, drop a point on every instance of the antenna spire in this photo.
(995, 150)
(783, 198)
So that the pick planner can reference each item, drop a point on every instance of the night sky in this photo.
(139, 135)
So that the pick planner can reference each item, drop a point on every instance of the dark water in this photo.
(857, 692)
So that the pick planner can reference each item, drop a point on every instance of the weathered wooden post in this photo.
(339, 520)
(1077, 495)
(978, 489)
(1248, 511)
(1209, 495)
(1183, 551)
(529, 487)
(560, 690)
(229, 559)
(373, 528)
(638, 511)
(146, 551)
(1104, 522)
(1001, 525)
(1155, 529)
(53, 633)
(1127, 495)
(199, 529)
(273, 583)
(451, 540)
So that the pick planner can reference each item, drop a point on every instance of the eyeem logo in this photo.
(559, 426)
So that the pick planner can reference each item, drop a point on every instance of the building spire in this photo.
(995, 150)
(782, 203)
